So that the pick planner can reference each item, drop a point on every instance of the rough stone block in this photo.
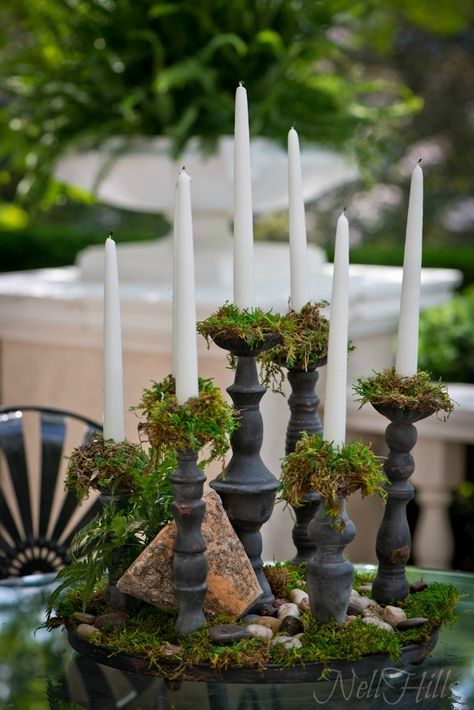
(231, 581)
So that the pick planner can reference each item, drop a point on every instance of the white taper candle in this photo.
(335, 406)
(406, 361)
(114, 427)
(184, 308)
(243, 216)
(297, 226)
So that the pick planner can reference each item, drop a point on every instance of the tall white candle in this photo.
(114, 427)
(243, 216)
(334, 428)
(406, 361)
(184, 303)
(297, 226)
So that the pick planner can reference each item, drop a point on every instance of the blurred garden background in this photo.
(389, 82)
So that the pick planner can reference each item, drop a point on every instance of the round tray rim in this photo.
(413, 654)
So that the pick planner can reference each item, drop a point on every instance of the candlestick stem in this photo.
(303, 403)
(247, 488)
(393, 543)
(329, 574)
(189, 564)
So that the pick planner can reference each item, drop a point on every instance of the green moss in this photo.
(150, 631)
(250, 325)
(304, 343)
(318, 465)
(390, 389)
(205, 420)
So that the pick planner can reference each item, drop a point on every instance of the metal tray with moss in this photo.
(146, 641)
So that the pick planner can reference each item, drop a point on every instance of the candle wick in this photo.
(183, 168)
(111, 234)
(344, 210)
(241, 83)
(420, 160)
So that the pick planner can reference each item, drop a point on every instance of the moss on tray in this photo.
(150, 633)
(390, 389)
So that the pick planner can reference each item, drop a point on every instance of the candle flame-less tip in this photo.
(241, 83)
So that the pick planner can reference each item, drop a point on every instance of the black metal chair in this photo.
(38, 518)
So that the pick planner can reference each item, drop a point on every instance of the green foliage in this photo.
(74, 74)
(129, 522)
(390, 253)
(446, 345)
(319, 465)
(390, 389)
(304, 343)
(205, 420)
(249, 325)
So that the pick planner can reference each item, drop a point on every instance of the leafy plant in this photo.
(73, 74)
(418, 392)
(205, 420)
(333, 472)
(130, 524)
(446, 346)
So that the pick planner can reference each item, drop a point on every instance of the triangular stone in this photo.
(232, 586)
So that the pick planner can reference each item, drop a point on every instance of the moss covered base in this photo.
(147, 642)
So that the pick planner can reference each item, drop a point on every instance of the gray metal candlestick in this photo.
(303, 403)
(189, 564)
(329, 574)
(393, 543)
(247, 488)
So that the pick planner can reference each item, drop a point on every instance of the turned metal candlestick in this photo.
(116, 599)
(246, 486)
(303, 403)
(189, 563)
(329, 574)
(393, 543)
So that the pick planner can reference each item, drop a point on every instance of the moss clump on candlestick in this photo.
(169, 427)
(304, 344)
(106, 466)
(248, 325)
(318, 465)
(417, 392)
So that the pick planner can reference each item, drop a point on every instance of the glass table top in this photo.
(39, 669)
